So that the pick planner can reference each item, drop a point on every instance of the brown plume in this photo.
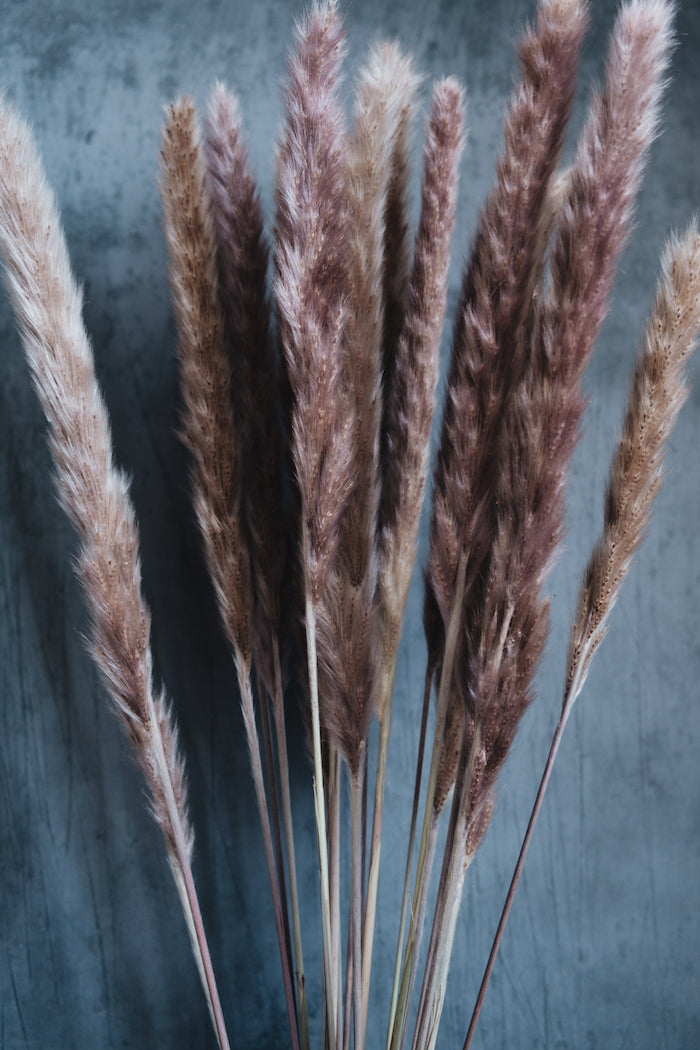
(208, 426)
(542, 424)
(410, 390)
(311, 284)
(242, 268)
(657, 394)
(488, 354)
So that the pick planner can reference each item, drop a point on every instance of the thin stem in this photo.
(364, 841)
(188, 895)
(414, 933)
(430, 961)
(320, 809)
(356, 828)
(258, 781)
(276, 822)
(282, 757)
(414, 938)
(449, 893)
(348, 987)
(556, 740)
(409, 854)
(375, 852)
(448, 900)
(333, 799)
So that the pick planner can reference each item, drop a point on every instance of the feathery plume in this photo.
(242, 268)
(311, 283)
(210, 435)
(506, 629)
(542, 424)
(656, 396)
(205, 374)
(603, 182)
(451, 749)
(95, 495)
(346, 615)
(487, 359)
(410, 396)
(397, 248)
(384, 94)
(378, 107)
(311, 289)
(347, 662)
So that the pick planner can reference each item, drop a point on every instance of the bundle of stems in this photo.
(657, 393)
(218, 441)
(323, 366)
(359, 326)
(523, 337)
(340, 218)
(490, 354)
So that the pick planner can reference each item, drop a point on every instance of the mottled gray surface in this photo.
(603, 946)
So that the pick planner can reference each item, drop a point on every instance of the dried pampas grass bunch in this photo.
(309, 361)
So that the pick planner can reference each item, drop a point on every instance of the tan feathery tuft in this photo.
(95, 495)
(657, 394)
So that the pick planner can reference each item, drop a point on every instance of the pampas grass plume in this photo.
(657, 394)
(208, 428)
(95, 495)
(242, 255)
(410, 389)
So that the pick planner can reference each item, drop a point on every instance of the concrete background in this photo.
(602, 949)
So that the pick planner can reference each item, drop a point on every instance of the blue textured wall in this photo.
(603, 946)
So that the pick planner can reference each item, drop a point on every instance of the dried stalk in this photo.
(312, 231)
(408, 417)
(95, 495)
(406, 896)
(210, 435)
(242, 266)
(396, 1037)
(656, 397)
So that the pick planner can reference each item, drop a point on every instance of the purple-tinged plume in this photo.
(311, 282)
